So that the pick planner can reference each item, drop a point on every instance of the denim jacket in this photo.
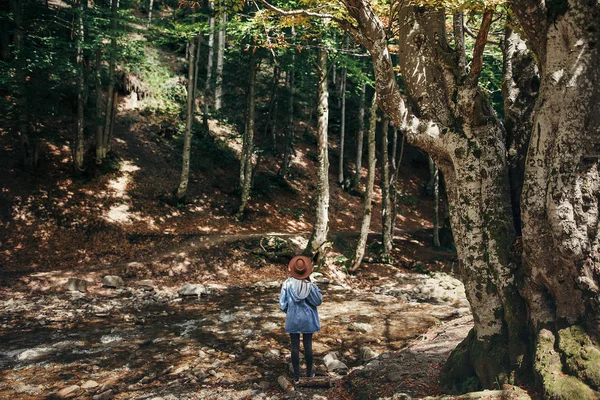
(301, 313)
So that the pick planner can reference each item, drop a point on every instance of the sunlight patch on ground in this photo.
(299, 159)
(121, 213)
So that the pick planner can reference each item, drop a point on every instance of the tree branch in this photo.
(533, 19)
(470, 32)
(480, 42)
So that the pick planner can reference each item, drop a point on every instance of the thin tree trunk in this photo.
(29, 144)
(189, 118)
(360, 135)
(197, 66)
(386, 212)
(209, 63)
(150, 13)
(220, 55)
(111, 80)
(431, 181)
(100, 150)
(113, 119)
(342, 126)
(436, 206)
(289, 136)
(368, 199)
(393, 186)
(318, 237)
(270, 125)
(78, 147)
(248, 145)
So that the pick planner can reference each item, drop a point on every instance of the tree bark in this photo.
(197, 66)
(78, 143)
(248, 143)
(368, 199)
(270, 124)
(220, 56)
(520, 86)
(209, 63)
(386, 209)
(315, 248)
(111, 79)
(393, 185)
(189, 119)
(436, 206)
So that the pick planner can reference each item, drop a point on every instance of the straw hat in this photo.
(300, 267)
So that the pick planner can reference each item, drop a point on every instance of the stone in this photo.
(272, 354)
(90, 385)
(189, 289)
(113, 281)
(104, 395)
(69, 392)
(360, 327)
(76, 285)
(334, 365)
(264, 385)
(366, 354)
(146, 284)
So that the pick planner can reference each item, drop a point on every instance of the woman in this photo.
(299, 299)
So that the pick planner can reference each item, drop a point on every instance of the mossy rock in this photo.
(582, 357)
(549, 372)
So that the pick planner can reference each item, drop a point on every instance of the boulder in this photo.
(189, 289)
(366, 354)
(76, 285)
(334, 365)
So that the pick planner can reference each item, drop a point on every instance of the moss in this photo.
(458, 369)
(582, 358)
(548, 368)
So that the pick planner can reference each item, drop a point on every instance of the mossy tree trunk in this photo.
(315, 248)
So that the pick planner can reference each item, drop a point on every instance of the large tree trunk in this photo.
(560, 199)
(368, 199)
(108, 120)
(386, 209)
(209, 63)
(189, 119)
(78, 143)
(220, 56)
(248, 143)
(318, 237)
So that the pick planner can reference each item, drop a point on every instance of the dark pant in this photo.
(308, 353)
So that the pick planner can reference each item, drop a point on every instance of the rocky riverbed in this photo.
(146, 340)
